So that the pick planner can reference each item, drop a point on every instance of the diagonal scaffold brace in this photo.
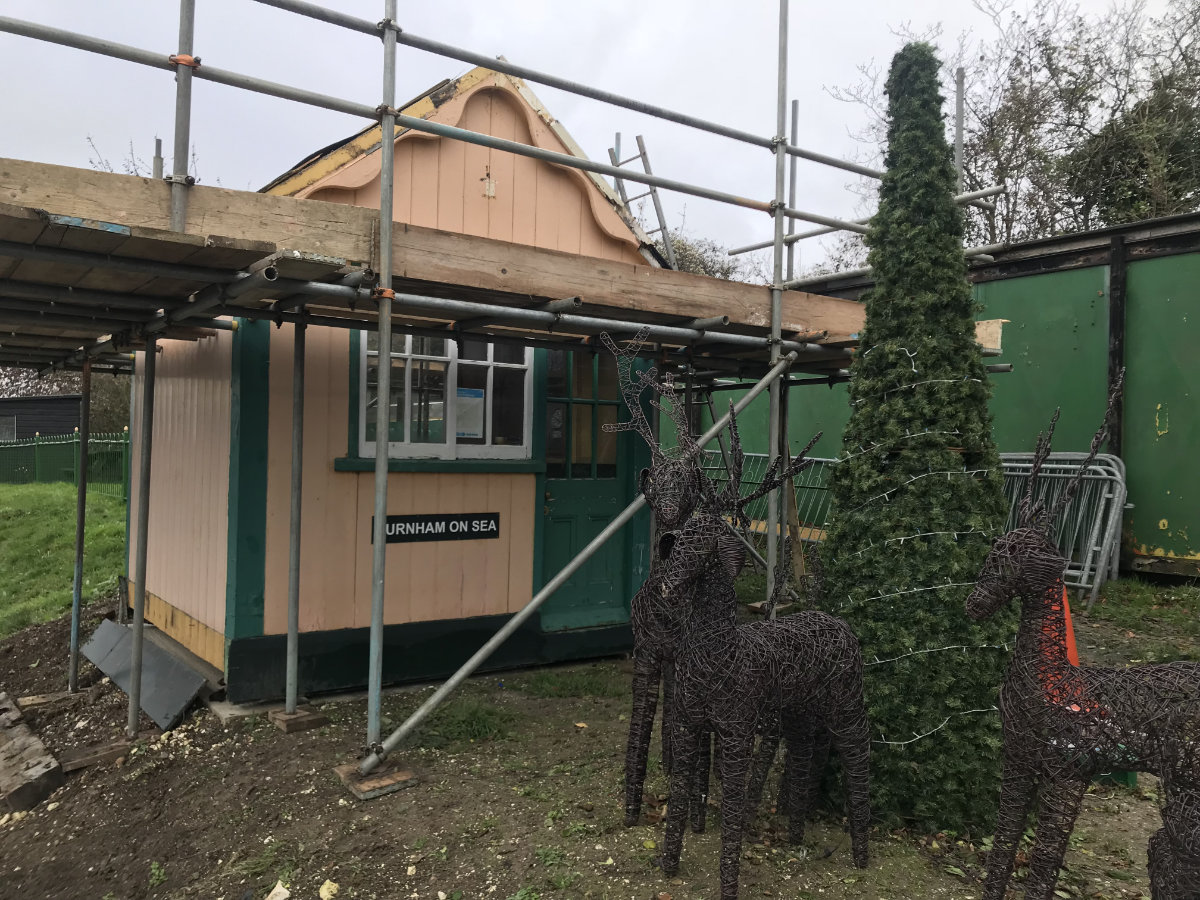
(373, 759)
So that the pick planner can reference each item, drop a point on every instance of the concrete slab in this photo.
(387, 779)
(302, 719)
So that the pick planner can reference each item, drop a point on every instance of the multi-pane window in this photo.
(8, 428)
(582, 398)
(466, 399)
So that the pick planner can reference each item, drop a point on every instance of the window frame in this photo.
(449, 449)
(13, 417)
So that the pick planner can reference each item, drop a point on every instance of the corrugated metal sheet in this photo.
(189, 482)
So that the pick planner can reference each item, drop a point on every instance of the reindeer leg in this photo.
(1016, 796)
(668, 691)
(699, 797)
(1058, 806)
(798, 775)
(848, 727)
(1161, 867)
(646, 669)
(687, 745)
(735, 769)
(816, 772)
(764, 757)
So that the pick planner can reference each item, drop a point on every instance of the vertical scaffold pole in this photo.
(85, 411)
(145, 442)
(293, 634)
(960, 76)
(777, 288)
(384, 397)
(792, 161)
(183, 115)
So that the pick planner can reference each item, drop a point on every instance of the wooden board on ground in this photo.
(82, 757)
(387, 779)
(35, 701)
(28, 773)
(302, 719)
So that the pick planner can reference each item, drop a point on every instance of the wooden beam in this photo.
(424, 257)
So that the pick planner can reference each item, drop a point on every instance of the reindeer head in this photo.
(1026, 562)
(673, 483)
(729, 501)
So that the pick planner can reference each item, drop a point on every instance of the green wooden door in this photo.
(587, 485)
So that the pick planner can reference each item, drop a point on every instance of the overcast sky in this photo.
(711, 58)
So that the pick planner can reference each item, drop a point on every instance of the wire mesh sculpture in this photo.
(1174, 850)
(730, 678)
(672, 486)
(816, 739)
(1063, 723)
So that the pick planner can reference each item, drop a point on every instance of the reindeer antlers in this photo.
(1030, 512)
(631, 388)
(1033, 514)
(1114, 397)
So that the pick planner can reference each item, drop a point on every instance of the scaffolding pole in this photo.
(970, 198)
(383, 402)
(145, 443)
(184, 66)
(791, 243)
(293, 621)
(775, 415)
(377, 754)
(363, 26)
(324, 101)
(959, 103)
(85, 411)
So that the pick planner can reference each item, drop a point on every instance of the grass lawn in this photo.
(1136, 621)
(37, 551)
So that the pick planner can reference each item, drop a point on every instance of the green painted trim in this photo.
(367, 464)
(355, 388)
(246, 560)
(412, 652)
(541, 363)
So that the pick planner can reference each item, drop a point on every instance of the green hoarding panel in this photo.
(1162, 428)
(1057, 341)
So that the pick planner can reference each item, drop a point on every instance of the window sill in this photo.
(367, 464)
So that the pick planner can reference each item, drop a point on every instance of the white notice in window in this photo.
(470, 411)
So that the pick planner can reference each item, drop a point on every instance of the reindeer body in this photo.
(672, 487)
(1064, 724)
(732, 678)
(657, 620)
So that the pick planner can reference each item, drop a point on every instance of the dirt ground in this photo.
(519, 798)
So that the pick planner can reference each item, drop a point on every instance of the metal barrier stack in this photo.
(1088, 533)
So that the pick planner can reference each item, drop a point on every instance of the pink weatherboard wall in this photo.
(189, 491)
(454, 187)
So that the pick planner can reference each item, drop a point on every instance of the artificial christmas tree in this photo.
(919, 491)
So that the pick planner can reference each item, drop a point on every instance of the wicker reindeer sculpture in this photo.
(730, 678)
(672, 487)
(1064, 723)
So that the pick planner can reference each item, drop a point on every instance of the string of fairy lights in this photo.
(888, 445)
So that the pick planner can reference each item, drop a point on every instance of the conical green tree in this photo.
(919, 491)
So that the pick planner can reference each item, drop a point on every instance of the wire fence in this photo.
(55, 458)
